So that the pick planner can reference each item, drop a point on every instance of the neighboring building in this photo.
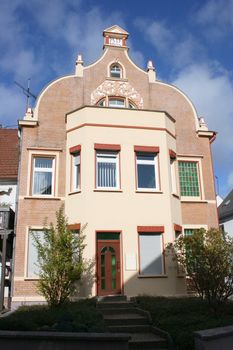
(109, 142)
(225, 212)
(9, 158)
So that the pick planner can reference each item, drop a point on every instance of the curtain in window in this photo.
(42, 183)
(106, 174)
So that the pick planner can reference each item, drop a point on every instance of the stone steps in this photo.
(122, 316)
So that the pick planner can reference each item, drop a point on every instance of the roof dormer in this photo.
(115, 36)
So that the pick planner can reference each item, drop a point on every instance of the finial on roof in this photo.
(79, 66)
(151, 71)
(28, 114)
(150, 65)
(202, 123)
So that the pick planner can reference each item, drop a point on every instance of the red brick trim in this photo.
(148, 229)
(172, 154)
(74, 227)
(107, 147)
(149, 149)
(177, 228)
(75, 149)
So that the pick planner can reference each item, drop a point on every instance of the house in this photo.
(225, 212)
(9, 157)
(126, 154)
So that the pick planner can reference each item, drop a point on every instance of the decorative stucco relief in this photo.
(116, 88)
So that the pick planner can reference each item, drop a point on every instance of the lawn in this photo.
(81, 316)
(180, 317)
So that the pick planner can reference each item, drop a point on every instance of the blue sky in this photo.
(190, 43)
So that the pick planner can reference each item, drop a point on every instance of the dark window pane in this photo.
(146, 176)
(108, 235)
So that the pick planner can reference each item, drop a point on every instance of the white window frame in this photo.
(161, 254)
(46, 170)
(174, 185)
(148, 162)
(119, 70)
(105, 154)
(74, 171)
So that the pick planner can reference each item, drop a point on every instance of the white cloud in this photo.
(178, 48)
(211, 90)
(216, 17)
(230, 180)
(13, 105)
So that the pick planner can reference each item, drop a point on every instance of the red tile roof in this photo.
(9, 153)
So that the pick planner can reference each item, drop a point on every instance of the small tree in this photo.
(207, 257)
(59, 260)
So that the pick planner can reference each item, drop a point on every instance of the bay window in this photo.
(147, 168)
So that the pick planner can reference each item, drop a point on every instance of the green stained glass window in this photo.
(188, 231)
(188, 174)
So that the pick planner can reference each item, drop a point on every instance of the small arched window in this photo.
(116, 102)
(115, 71)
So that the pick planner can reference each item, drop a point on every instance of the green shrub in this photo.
(73, 317)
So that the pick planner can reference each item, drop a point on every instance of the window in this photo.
(189, 231)
(115, 71)
(116, 102)
(102, 102)
(107, 169)
(151, 257)
(32, 267)
(173, 171)
(189, 182)
(147, 171)
(131, 105)
(43, 176)
(76, 171)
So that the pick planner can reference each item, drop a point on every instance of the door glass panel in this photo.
(113, 266)
(114, 284)
(103, 268)
(102, 271)
(102, 284)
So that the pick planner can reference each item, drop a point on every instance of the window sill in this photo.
(74, 192)
(42, 197)
(181, 276)
(148, 191)
(31, 278)
(152, 276)
(106, 190)
(116, 79)
(192, 200)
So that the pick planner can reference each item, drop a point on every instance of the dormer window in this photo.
(115, 71)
